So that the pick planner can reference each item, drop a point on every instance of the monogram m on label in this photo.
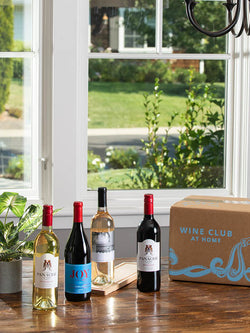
(77, 260)
(45, 264)
(102, 242)
(148, 249)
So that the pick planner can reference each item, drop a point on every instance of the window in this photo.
(19, 101)
(71, 116)
(125, 40)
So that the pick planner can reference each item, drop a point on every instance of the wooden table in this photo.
(178, 307)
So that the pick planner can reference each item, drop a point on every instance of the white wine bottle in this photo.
(45, 264)
(102, 243)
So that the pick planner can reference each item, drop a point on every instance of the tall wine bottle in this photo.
(148, 249)
(102, 242)
(45, 264)
(77, 260)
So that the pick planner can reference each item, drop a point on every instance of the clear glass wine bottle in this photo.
(45, 264)
(102, 242)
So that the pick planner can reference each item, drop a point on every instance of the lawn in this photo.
(114, 179)
(120, 105)
(16, 94)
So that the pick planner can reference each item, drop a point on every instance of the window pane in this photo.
(119, 26)
(15, 123)
(179, 36)
(125, 107)
(15, 25)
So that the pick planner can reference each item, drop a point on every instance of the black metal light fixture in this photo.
(233, 15)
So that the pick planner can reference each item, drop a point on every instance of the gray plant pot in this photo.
(10, 276)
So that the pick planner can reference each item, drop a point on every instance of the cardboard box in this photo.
(210, 240)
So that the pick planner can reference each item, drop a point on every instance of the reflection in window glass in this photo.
(179, 36)
(129, 26)
(122, 25)
(141, 138)
(15, 123)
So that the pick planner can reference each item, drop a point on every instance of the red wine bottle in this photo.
(77, 260)
(148, 249)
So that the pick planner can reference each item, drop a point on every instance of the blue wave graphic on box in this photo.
(216, 265)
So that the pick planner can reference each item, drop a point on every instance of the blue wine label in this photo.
(78, 278)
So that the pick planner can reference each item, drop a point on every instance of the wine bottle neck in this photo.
(77, 220)
(149, 209)
(47, 228)
(148, 217)
(102, 209)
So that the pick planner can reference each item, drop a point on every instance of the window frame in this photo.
(160, 53)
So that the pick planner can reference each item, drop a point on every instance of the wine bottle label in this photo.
(148, 256)
(46, 271)
(78, 278)
(103, 249)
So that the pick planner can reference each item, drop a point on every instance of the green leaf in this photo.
(56, 210)
(8, 255)
(13, 201)
(31, 220)
(2, 239)
(10, 233)
(26, 250)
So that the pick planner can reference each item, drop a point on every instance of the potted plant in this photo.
(12, 247)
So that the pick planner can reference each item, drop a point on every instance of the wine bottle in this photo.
(102, 242)
(77, 260)
(148, 250)
(45, 264)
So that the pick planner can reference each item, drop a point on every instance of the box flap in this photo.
(215, 203)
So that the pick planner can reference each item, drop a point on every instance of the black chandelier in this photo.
(233, 18)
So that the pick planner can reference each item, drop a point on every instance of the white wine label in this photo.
(148, 256)
(103, 249)
(46, 271)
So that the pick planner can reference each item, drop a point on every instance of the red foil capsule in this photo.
(47, 215)
(78, 206)
(148, 204)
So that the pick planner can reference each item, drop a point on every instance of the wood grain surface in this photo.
(177, 307)
(125, 273)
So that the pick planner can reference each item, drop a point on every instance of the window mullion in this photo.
(241, 105)
(229, 116)
(167, 56)
(46, 100)
(158, 30)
